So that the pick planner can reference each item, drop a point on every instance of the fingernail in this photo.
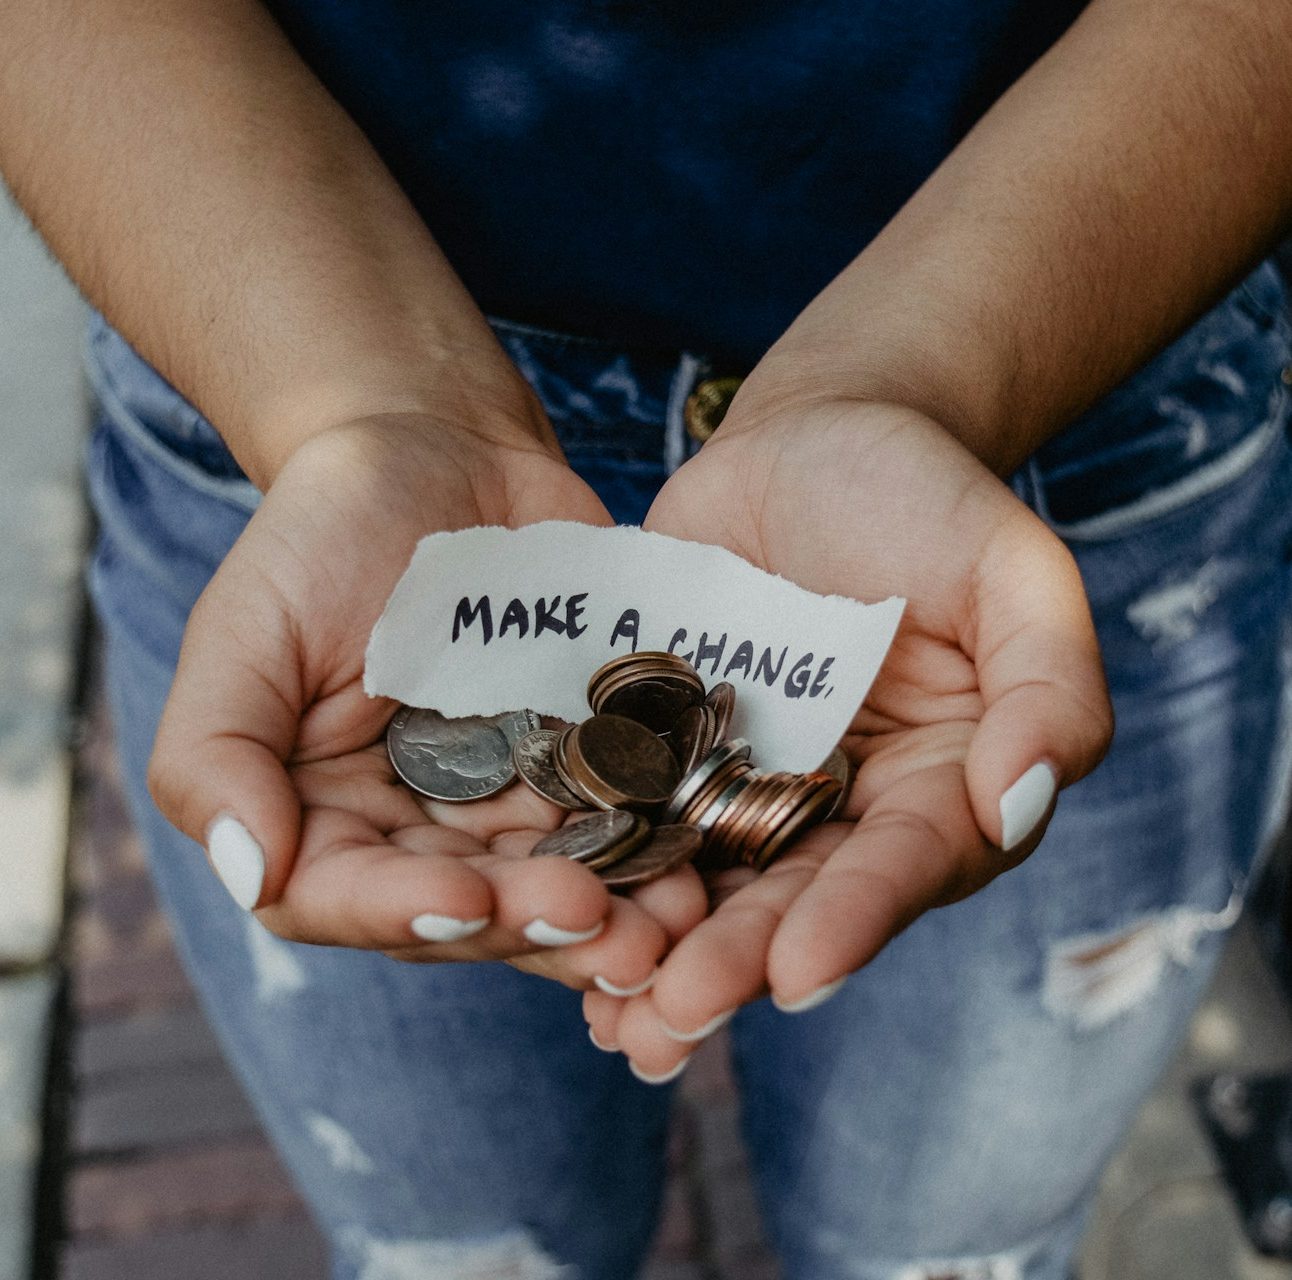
(689, 1037)
(809, 1001)
(542, 934)
(605, 1048)
(624, 992)
(671, 1074)
(238, 860)
(435, 928)
(1025, 803)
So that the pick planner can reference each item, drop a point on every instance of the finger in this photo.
(351, 887)
(601, 1012)
(679, 901)
(230, 722)
(1047, 719)
(620, 961)
(654, 1056)
(916, 848)
(722, 963)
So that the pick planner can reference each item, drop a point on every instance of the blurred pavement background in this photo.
(126, 1147)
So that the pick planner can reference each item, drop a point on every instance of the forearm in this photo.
(1116, 191)
(205, 191)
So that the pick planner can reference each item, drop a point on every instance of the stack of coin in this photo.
(651, 688)
(654, 757)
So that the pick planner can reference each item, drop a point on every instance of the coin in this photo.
(839, 767)
(619, 763)
(596, 840)
(460, 759)
(695, 781)
(693, 735)
(654, 702)
(668, 848)
(810, 810)
(532, 756)
(722, 698)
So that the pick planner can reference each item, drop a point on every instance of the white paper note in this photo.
(492, 619)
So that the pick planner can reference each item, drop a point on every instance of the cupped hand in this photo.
(992, 694)
(270, 753)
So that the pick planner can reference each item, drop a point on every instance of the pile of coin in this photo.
(655, 757)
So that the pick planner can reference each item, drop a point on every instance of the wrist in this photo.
(462, 397)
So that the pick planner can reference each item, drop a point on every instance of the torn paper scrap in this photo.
(491, 619)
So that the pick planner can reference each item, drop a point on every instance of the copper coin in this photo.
(809, 813)
(633, 666)
(532, 755)
(722, 698)
(668, 848)
(561, 764)
(591, 840)
(654, 702)
(693, 735)
(620, 763)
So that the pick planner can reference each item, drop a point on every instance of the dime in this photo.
(460, 759)
(619, 763)
(532, 756)
(694, 782)
(722, 698)
(693, 735)
(596, 841)
(668, 848)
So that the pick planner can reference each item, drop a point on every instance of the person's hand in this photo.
(995, 676)
(270, 753)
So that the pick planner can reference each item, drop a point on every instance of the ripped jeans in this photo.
(950, 1111)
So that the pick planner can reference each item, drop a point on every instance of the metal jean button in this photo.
(707, 405)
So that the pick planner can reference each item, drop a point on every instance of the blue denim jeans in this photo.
(948, 1112)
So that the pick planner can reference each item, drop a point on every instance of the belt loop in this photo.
(688, 372)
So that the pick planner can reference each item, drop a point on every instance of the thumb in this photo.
(1047, 718)
(230, 721)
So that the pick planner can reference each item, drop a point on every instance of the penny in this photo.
(810, 812)
(619, 763)
(655, 703)
(722, 698)
(532, 756)
(668, 848)
(634, 666)
(693, 735)
(592, 840)
(466, 758)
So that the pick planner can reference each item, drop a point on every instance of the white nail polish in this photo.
(700, 1033)
(238, 860)
(624, 992)
(542, 934)
(660, 1079)
(605, 1048)
(1025, 803)
(809, 1001)
(435, 928)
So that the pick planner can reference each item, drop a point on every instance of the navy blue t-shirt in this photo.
(664, 172)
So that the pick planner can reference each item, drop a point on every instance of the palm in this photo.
(278, 639)
(867, 501)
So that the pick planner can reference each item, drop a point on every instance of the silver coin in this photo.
(532, 756)
(690, 786)
(605, 836)
(466, 758)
